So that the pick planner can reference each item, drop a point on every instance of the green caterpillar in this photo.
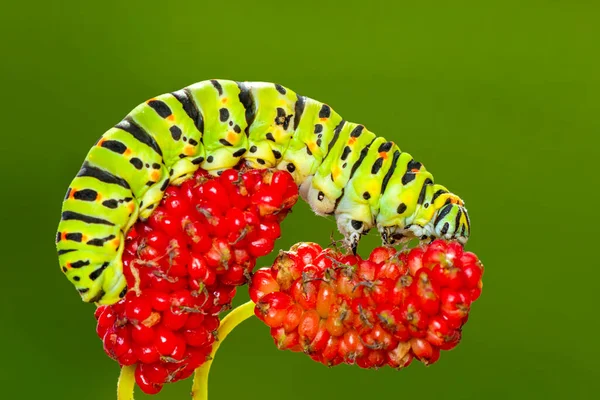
(341, 168)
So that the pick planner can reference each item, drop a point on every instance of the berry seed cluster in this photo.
(385, 310)
(183, 265)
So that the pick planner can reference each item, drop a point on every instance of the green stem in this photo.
(126, 383)
(233, 319)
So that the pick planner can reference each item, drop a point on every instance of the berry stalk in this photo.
(126, 383)
(233, 319)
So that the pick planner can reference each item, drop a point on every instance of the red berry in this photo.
(198, 337)
(272, 308)
(475, 293)
(260, 247)
(174, 319)
(269, 230)
(293, 317)
(284, 340)
(268, 201)
(144, 383)
(351, 347)
(223, 295)
(426, 291)
(179, 350)
(449, 276)
(308, 252)
(438, 331)
(262, 283)
(194, 321)
(400, 356)
(146, 354)
(415, 260)
(160, 301)
(381, 254)
(128, 358)
(107, 316)
(214, 192)
(165, 341)
(142, 334)
(473, 273)
(325, 299)
(413, 316)
(331, 349)
(305, 293)
(137, 308)
(235, 275)
(455, 304)
(308, 326)
(422, 349)
(154, 372)
(319, 341)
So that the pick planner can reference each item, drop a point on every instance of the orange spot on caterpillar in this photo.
(72, 194)
(155, 175)
(322, 119)
(224, 100)
(414, 170)
(117, 242)
(313, 147)
(383, 155)
(152, 99)
(188, 150)
(131, 207)
(231, 137)
(335, 172)
(63, 236)
(128, 152)
(68, 265)
(351, 141)
(102, 140)
(171, 117)
(84, 238)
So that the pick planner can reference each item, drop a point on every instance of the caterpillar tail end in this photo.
(114, 285)
(108, 289)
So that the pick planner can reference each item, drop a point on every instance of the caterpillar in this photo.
(341, 168)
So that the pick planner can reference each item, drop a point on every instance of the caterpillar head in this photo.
(441, 215)
(452, 222)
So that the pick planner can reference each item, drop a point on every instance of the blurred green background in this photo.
(499, 99)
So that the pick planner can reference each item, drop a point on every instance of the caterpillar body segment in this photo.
(360, 201)
(342, 169)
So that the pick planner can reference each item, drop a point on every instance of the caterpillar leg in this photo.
(352, 229)
(354, 219)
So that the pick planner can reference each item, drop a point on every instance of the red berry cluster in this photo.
(381, 311)
(183, 265)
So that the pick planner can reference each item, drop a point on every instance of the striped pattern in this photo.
(342, 169)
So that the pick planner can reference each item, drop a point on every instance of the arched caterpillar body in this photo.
(341, 168)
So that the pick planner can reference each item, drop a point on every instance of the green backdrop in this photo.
(499, 99)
